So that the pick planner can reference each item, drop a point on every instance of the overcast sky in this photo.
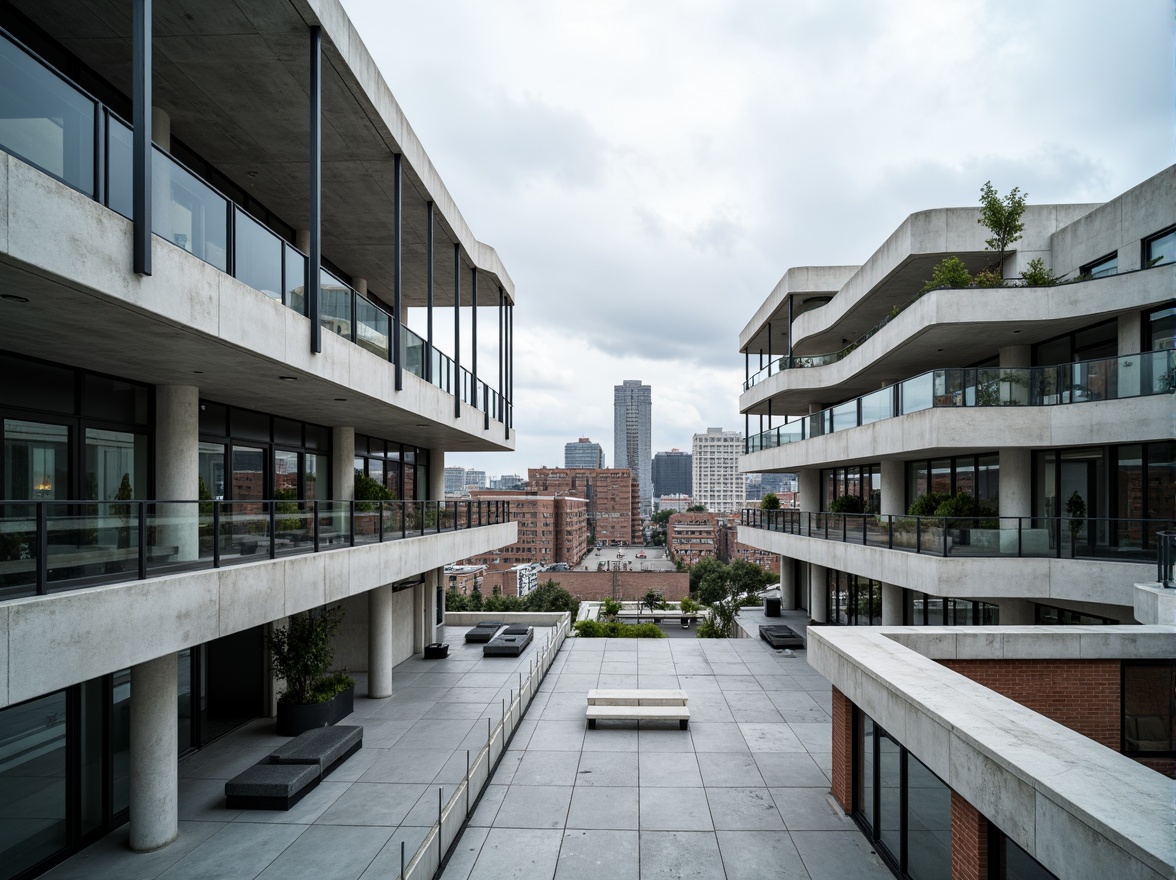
(648, 170)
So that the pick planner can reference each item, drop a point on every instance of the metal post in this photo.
(314, 264)
(42, 549)
(474, 334)
(351, 524)
(273, 547)
(141, 169)
(429, 295)
(397, 265)
(314, 513)
(467, 783)
(440, 855)
(402, 860)
(501, 353)
(457, 330)
(216, 534)
(142, 542)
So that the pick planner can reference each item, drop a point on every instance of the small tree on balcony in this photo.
(1003, 218)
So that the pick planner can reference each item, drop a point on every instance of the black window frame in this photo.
(1090, 270)
(1124, 666)
(1146, 243)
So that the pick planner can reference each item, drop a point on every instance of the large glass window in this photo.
(1149, 713)
(258, 256)
(36, 461)
(1108, 265)
(116, 465)
(1048, 615)
(1160, 248)
(928, 823)
(889, 825)
(1159, 331)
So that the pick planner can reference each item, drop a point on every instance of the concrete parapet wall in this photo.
(533, 618)
(595, 586)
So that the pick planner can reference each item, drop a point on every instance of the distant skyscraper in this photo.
(583, 454)
(455, 480)
(632, 433)
(672, 474)
(717, 481)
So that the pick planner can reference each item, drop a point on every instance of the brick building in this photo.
(614, 498)
(594, 586)
(692, 536)
(729, 549)
(552, 528)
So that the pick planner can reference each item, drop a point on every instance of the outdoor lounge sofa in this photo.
(484, 631)
(510, 642)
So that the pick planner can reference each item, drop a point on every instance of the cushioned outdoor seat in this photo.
(484, 631)
(507, 644)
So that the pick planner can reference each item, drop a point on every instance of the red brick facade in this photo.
(551, 529)
(842, 751)
(594, 586)
(692, 536)
(969, 841)
(614, 499)
(1083, 695)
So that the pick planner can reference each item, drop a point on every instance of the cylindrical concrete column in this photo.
(1130, 343)
(342, 464)
(1015, 612)
(1016, 484)
(787, 583)
(808, 484)
(418, 617)
(154, 774)
(161, 129)
(436, 474)
(817, 593)
(380, 642)
(360, 284)
(893, 487)
(177, 471)
(891, 605)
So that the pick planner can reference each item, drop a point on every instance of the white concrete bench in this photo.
(623, 704)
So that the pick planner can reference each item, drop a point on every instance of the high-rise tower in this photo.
(632, 430)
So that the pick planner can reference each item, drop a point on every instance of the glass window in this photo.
(285, 475)
(212, 472)
(1108, 265)
(116, 465)
(928, 823)
(36, 461)
(32, 782)
(248, 474)
(258, 256)
(184, 737)
(1099, 341)
(1016, 864)
(249, 424)
(30, 384)
(114, 400)
(120, 152)
(214, 419)
(187, 212)
(295, 280)
(91, 708)
(317, 468)
(287, 432)
(941, 475)
(1159, 249)
(335, 304)
(1159, 332)
(988, 480)
(866, 774)
(889, 794)
(1148, 716)
(120, 741)
(1048, 615)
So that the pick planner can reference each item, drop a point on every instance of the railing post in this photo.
(890, 532)
(273, 522)
(42, 549)
(945, 536)
(1020, 530)
(381, 521)
(1165, 545)
(216, 534)
(918, 534)
(142, 517)
(314, 513)
(351, 524)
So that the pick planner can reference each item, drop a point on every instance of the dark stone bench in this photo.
(291, 771)
(780, 636)
(510, 642)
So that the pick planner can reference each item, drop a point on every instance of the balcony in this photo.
(55, 546)
(1129, 376)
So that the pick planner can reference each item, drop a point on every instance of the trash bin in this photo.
(771, 607)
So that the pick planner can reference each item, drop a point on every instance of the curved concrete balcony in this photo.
(970, 323)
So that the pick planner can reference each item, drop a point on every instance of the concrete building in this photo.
(464, 579)
(1050, 407)
(583, 454)
(692, 536)
(614, 506)
(674, 502)
(455, 480)
(508, 482)
(216, 222)
(551, 528)
(518, 580)
(717, 481)
(673, 473)
(730, 549)
(632, 435)
(475, 479)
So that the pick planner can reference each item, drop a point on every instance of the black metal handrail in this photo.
(47, 546)
(1165, 558)
(1059, 537)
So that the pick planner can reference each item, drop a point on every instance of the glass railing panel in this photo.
(295, 279)
(18, 549)
(373, 327)
(845, 415)
(1157, 371)
(293, 527)
(334, 304)
(91, 541)
(367, 521)
(120, 164)
(392, 524)
(187, 212)
(877, 531)
(44, 120)
(412, 349)
(244, 531)
(175, 536)
(334, 524)
(916, 394)
(257, 255)
(877, 406)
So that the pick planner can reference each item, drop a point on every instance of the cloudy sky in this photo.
(648, 169)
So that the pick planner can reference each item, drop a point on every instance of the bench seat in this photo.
(267, 786)
(484, 631)
(637, 697)
(325, 747)
(638, 713)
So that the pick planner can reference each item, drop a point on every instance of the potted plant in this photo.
(300, 654)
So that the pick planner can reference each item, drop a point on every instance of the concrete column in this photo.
(808, 483)
(161, 129)
(1016, 356)
(342, 464)
(432, 579)
(436, 474)
(154, 771)
(893, 487)
(360, 285)
(1130, 342)
(1015, 612)
(302, 240)
(817, 577)
(787, 583)
(891, 605)
(380, 642)
(1016, 483)
(418, 617)
(177, 469)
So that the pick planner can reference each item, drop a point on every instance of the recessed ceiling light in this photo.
(1016, 331)
(198, 371)
(420, 426)
(288, 378)
(340, 399)
(12, 297)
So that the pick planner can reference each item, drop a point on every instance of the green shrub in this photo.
(771, 501)
(610, 607)
(926, 505)
(950, 273)
(612, 629)
(330, 686)
(960, 504)
(988, 278)
(1036, 275)
(847, 504)
(749, 601)
(302, 651)
(688, 606)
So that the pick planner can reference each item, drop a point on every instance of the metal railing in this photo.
(1115, 540)
(93, 154)
(49, 546)
(1165, 558)
(1135, 375)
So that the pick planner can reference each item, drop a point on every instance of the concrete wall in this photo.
(49, 642)
(597, 585)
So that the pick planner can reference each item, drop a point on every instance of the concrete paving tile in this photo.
(517, 854)
(534, 806)
(616, 680)
(656, 681)
(790, 770)
(815, 737)
(839, 855)
(739, 684)
(607, 768)
(424, 811)
(111, 859)
(505, 771)
(306, 811)
(487, 808)
(358, 764)
(572, 681)
(717, 737)
(767, 737)
(547, 768)
(729, 770)
(338, 852)
(387, 863)
(592, 855)
(436, 733)
(384, 734)
(755, 855)
(810, 809)
(612, 738)
(455, 710)
(744, 809)
(675, 809)
(407, 765)
(676, 854)
(373, 804)
(558, 736)
(669, 770)
(603, 807)
(203, 800)
(655, 736)
(238, 850)
(464, 854)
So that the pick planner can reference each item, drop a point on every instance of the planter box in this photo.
(296, 718)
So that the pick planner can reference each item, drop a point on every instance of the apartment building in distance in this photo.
(583, 454)
(672, 473)
(692, 536)
(207, 253)
(718, 483)
(551, 528)
(614, 505)
(633, 436)
(1042, 415)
